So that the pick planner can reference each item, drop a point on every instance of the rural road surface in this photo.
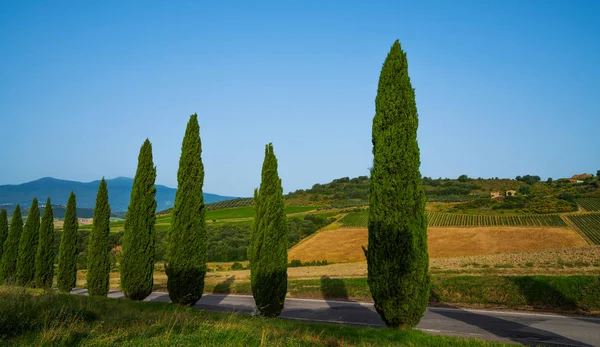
(509, 327)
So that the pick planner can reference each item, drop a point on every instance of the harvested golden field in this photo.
(344, 245)
(335, 246)
(452, 242)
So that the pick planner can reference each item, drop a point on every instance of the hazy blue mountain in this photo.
(119, 191)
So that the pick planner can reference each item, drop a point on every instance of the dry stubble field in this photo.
(344, 245)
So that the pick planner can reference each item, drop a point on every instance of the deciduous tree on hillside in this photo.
(397, 252)
(28, 246)
(137, 262)
(8, 266)
(98, 261)
(67, 252)
(44, 259)
(186, 252)
(268, 243)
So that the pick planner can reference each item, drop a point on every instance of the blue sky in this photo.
(503, 88)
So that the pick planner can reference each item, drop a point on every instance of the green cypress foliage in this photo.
(268, 243)
(137, 263)
(8, 267)
(3, 231)
(67, 252)
(28, 246)
(186, 252)
(44, 259)
(397, 254)
(98, 261)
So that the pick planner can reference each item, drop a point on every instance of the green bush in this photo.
(237, 266)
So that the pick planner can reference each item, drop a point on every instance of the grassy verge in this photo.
(28, 319)
(575, 294)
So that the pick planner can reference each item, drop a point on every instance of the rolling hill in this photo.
(119, 191)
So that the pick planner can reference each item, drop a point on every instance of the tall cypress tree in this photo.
(67, 252)
(8, 267)
(186, 252)
(28, 246)
(268, 243)
(397, 254)
(3, 231)
(98, 261)
(44, 259)
(137, 263)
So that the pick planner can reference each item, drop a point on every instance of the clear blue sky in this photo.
(503, 88)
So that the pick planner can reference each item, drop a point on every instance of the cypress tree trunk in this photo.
(8, 268)
(137, 263)
(186, 252)
(3, 233)
(28, 246)
(44, 259)
(268, 243)
(67, 252)
(98, 261)
(397, 255)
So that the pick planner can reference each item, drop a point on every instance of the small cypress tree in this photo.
(28, 246)
(44, 259)
(67, 252)
(98, 260)
(268, 243)
(397, 255)
(8, 268)
(137, 263)
(3, 231)
(186, 252)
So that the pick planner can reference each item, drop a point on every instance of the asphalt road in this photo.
(509, 327)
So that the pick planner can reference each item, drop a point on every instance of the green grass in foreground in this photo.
(552, 293)
(28, 319)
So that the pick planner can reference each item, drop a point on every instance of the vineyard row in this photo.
(436, 219)
(589, 224)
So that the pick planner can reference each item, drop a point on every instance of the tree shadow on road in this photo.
(224, 288)
(510, 330)
(542, 295)
(333, 288)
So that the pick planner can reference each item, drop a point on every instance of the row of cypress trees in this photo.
(397, 252)
(187, 245)
(26, 253)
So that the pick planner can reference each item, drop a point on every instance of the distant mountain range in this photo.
(119, 191)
